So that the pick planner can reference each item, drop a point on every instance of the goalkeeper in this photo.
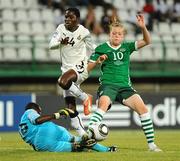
(44, 135)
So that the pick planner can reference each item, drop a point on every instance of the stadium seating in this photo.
(30, 24)
(124, 15)
(21, 15)
(8, 28)
(7, 15)
(9, 38)
(10, 54)
(34, 15)
(54, 55)
(136, 56)
(164, 28)
(119, 4)
(172, 54)
(147, 54)
(47, 16)
(41, 54)
(6, 4)
(156, 38)
(1, 55)
(175, 28)
(23, 28)
(19, 4)
(177, 39)
(25, 54)
(132, 5)
(168, 39)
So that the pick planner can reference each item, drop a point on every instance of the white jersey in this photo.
(75, 51)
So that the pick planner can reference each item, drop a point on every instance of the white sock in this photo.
(78, 92)
(76, 123)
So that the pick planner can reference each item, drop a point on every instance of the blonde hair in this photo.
(116, 23)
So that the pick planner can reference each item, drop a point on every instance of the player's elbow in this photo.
(53, 45)
(148, 41)
(38, 121)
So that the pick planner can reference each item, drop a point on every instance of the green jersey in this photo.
(115, 69)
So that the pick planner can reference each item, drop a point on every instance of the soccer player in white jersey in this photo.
(73, 39)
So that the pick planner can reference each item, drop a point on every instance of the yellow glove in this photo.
(65, 112)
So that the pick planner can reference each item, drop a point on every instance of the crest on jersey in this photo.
(122, 49)
(108, 51)
(79, 37)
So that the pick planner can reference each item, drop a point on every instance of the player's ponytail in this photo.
(116, 23)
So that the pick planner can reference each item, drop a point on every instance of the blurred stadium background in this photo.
(29, 70)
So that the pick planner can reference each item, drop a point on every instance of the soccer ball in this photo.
(99, 131)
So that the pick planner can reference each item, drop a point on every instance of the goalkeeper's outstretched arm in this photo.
(60, 114)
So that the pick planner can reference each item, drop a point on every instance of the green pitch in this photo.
(132, 147)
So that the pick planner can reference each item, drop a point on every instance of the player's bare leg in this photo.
(103, 104)
(66, 81)
(76, 121)
(88, 104)
(136, 103)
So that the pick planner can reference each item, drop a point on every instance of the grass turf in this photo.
(131, 143)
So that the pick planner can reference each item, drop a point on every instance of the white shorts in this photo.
(82, 75)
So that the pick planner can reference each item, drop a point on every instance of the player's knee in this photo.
(145, 110)
(64, 84)
(142, 110)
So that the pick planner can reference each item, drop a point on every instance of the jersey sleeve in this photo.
(54, 42)
(132, 46)
(89, 42)
(94, 57)
(32, 116)
(98, 52)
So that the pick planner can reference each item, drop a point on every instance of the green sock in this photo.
(147, 126)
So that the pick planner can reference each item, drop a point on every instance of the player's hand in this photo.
(102, 58)
(140, 20)
(64, 41)
(65, 112)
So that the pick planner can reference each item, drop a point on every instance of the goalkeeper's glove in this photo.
(63, 113)
(66, 112)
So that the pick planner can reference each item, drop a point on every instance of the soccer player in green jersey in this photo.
(115, 84)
